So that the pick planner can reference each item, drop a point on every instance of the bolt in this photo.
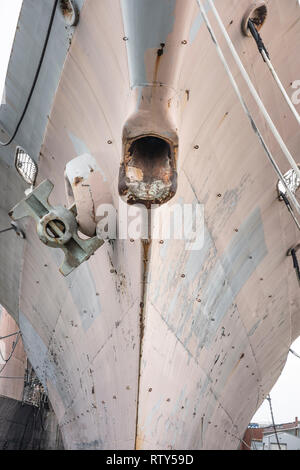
(196, 147)
(125, 38)
(184, 42)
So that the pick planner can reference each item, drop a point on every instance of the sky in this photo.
(9, 14)
(285, 395)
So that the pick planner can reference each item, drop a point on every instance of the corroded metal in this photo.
(257, 12)
(88, 189)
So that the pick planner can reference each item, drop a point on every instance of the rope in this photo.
(265, 55)
(252, 89)
(245, 108)
(5, 144)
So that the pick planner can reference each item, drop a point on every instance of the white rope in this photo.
(277, 80)
(253, 90)
(238, 93)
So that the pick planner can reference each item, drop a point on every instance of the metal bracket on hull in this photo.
(56, 227)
